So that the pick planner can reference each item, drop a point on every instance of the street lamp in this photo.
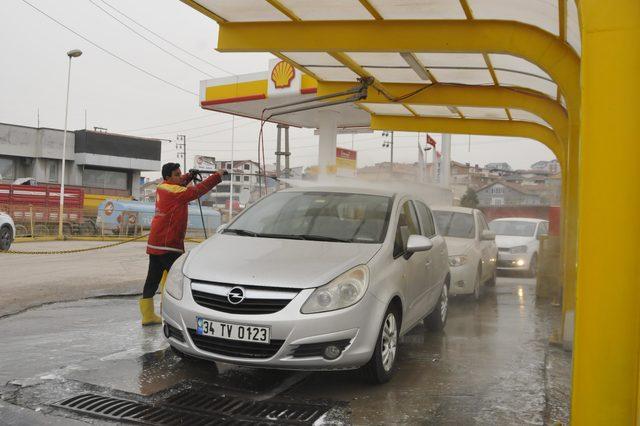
(71, 54)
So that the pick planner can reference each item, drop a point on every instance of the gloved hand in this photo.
(195, 174)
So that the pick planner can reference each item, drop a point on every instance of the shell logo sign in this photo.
(283, 79)
(282, 75)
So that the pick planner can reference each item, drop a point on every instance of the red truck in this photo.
(39, 207)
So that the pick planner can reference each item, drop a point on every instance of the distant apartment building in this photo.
(551, 167)
(246, 182)
(509, 194)
(102, 163)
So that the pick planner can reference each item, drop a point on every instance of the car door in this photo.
(488, 249)
(438, 259)
(414, 266)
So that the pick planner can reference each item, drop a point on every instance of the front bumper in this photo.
(463, 279)
(359, 324)
(513, 262)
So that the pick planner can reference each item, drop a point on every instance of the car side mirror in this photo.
(487, 235)
(418, 243)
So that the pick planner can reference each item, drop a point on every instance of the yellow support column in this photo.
(607, 341)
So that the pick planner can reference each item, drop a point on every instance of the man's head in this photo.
(171, 173)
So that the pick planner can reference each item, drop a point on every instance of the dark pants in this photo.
(157, 265)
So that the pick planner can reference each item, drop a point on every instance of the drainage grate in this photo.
(131, 411)
(196, 408)
(242, 409)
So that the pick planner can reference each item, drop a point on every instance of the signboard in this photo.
(283, 79)
(202, 162)
(346, 162)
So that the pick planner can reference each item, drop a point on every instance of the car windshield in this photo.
(319, 216)
(516, 228)
(453, 224)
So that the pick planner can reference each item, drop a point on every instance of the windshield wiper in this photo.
(283, 236)
(324, 238)
(242, 232)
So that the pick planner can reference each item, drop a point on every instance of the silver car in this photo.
(311, 279)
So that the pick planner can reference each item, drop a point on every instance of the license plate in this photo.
(231, 331)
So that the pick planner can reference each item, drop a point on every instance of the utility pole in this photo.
(389, 144)
(181, 144)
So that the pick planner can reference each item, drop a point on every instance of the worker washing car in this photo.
(168, 228)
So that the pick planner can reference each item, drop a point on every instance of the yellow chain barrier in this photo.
(74, 250)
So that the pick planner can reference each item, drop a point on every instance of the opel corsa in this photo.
(316, 279)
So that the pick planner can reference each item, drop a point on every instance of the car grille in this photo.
(234, 348)
(258, 300)
(504, 249)
(507, 264)
(308, 350)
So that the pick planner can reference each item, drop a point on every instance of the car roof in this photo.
(520, 219)
(343, 190)
(456, 209)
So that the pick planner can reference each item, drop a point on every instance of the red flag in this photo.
(431, 141)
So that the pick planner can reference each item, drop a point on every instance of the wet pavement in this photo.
(492, 365)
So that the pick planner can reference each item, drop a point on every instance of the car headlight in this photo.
(342, 292)
(174, 285)
(518, 249)
(457, 260)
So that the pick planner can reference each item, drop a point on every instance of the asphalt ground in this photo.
(491, 365)
(31, 280)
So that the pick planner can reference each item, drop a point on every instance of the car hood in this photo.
(458, 246)
(508, 241)
(274, 262)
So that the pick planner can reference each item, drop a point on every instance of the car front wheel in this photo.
(437, 319)
(380, 368)
(533, 266)
(6, 238)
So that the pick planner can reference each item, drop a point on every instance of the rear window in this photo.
(514, 228)
(454, 224)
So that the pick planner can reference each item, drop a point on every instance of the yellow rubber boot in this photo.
(149, 317)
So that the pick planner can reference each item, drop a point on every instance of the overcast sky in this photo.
(123, 99)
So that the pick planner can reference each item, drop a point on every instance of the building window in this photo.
(7, 168)
(52, 171)
(498, 189)
(228, 166)
(106, 179)
(246, 178)
(497, 201)
(237, 178)
(247, 166)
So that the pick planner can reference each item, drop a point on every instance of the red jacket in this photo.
(169, 225)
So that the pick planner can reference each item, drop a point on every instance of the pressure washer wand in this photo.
(234, 173)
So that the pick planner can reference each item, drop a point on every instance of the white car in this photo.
(472, 248)
(518, 243)
(7, 231)
(311, 279)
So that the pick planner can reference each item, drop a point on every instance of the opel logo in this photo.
(235, 295)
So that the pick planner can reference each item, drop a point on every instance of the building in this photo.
(102, 163)
(246, 182)
(509, 194)
(551, 167)
(503, 167)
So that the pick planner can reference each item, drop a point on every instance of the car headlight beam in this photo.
(344, 291)
(174, 284)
